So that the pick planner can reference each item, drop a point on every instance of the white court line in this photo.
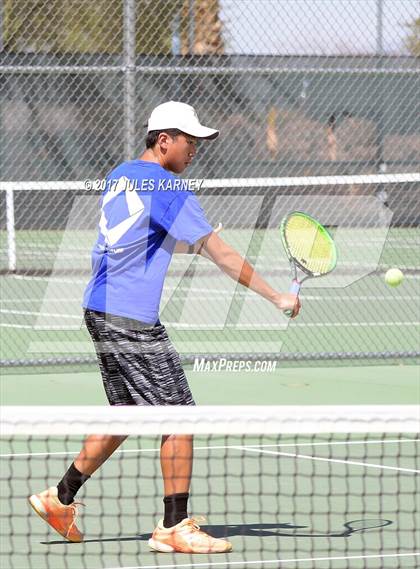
(55, 248)
(186, 326)
(321, 459)
(58, 299)
(341, 324)
(215, 447)
(267, 561)
(23, 326)
(223, 294)
(50, 278)
(37, 313)
(60, 254)
(252, 297)
(265, 326)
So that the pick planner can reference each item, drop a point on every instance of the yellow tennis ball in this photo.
(394, 277)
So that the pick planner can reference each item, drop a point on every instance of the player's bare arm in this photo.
(238, 268)
(182, 247)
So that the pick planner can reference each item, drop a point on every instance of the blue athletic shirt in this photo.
(145, 210)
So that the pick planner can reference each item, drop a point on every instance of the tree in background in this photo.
(413, 41)
(201, 28)
(84, 26)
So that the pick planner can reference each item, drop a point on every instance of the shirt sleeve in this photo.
(185, 220)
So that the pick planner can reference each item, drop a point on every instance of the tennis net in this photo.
(47, 230)
(320, 487)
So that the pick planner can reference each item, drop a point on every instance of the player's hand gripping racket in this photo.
(309, 247)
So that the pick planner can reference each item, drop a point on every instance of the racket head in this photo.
(365, 525)
(308, 244)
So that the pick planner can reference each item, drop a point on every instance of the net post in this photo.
(129, 25)
(11, 235)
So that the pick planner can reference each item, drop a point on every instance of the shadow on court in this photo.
(256, 530)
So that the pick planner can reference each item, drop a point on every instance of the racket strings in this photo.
(309, 244)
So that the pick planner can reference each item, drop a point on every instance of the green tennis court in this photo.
(333, 385)
(352, 311)
(280, 500)
(327, 501)
(277, 508)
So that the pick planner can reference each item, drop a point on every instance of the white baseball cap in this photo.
(174, 114)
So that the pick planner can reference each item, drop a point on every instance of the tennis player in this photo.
(147, 214)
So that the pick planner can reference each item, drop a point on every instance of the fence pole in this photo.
(11, 235)
(191, 27)
(380, 163)
(129, 24)
(379, 26)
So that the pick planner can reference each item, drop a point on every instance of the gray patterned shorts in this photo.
(138, 363)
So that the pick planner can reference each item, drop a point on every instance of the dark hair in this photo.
(153, 135)
(332, 121)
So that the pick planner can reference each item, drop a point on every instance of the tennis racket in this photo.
(309, 247)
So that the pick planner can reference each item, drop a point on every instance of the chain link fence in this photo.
(309, 89)
(79, 80)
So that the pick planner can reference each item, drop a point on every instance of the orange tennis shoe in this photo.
(186, 537)
(60, 517)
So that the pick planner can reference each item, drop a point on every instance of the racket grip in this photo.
(294, 289)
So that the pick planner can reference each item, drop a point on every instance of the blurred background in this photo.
(320, 90)
(299, 87)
